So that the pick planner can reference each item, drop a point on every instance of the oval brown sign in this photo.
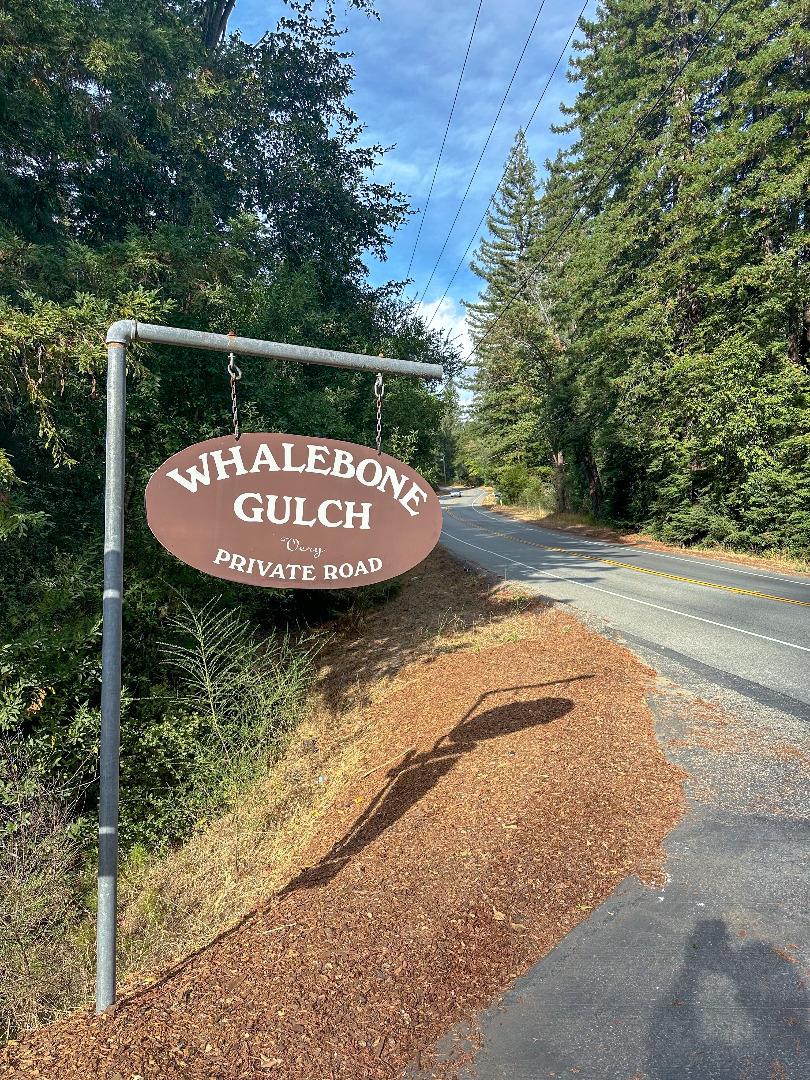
(289, 512)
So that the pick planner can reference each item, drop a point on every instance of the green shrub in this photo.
(699, 524)
(511, 481)
(240, 697)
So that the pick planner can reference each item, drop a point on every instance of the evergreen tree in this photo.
(681, 285)
(510, 348)
(686, 283)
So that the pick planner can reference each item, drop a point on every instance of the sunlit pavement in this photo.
(704, 977)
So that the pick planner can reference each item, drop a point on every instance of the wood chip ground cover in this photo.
(510, 780)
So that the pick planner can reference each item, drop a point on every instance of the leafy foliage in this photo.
(156, 167)
(680, 292)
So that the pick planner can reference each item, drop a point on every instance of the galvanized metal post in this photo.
(119, 335)
(111, 675)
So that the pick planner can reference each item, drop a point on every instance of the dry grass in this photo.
(582, 525)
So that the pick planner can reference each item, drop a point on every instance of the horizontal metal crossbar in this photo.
(128, 330)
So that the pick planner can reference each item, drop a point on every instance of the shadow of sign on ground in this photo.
(412, 777)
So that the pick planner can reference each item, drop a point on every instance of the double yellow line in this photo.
(630, 566)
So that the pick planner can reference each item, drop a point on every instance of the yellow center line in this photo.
(629, 566)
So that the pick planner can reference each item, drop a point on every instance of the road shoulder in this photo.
(506, 778)
(705, 977)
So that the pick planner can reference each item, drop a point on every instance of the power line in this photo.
(484, 148)
(526, 127)
(634, 131)
(444, 139)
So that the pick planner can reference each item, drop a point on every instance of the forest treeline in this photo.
(642, 332)
(154, 165)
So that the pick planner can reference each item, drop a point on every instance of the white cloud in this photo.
(447, 314)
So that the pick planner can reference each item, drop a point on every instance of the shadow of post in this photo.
(417, 773)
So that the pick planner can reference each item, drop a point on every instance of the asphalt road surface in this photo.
(704, 978)
(740, 627)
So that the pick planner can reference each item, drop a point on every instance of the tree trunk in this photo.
(595, 489)
(215, 21)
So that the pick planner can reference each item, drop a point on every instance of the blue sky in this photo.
(407, 65)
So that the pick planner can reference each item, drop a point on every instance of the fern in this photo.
(247, 693)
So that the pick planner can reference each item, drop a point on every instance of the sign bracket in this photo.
(119, 337)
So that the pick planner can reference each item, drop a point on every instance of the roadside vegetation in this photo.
(642, 343)
(154, 165)
(231, 703)
(537, 504)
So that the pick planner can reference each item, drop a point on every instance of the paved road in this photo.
(706, 978)
(733, 634)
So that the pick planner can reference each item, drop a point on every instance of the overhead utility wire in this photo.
(526, 127)
(572, 216)
(444, 139)
(484, 148)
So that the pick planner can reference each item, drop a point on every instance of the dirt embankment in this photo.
(504, 779)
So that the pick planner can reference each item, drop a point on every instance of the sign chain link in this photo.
(379, 393)
(235, 374)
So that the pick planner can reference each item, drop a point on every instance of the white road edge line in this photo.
(632, 599)
(660, 554)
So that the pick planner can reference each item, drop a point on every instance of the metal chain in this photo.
(379, 393)
(235, 374)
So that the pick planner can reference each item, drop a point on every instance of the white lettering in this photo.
(222, 556)
(264, 459)
(324, 520)
(271, 510)
(316, 455)
(195, 475)
(343, 466)
(413, 492)
(374, 564)
(222, 464)
(329, 572)
(362, 513)
(299, 512)
(288, 465)
(239, 507)
(308, 573)
(238, 562)
(345, 570)
(362, 471)
(292, 543)
(396, 480)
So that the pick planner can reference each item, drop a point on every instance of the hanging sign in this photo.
(289, 512)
